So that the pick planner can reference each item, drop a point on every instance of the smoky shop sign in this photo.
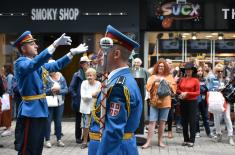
(53, 14)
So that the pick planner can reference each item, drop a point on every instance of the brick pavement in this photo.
(203, 145)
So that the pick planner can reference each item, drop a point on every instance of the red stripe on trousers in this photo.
(26, 130)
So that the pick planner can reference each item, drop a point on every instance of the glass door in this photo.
(224, 50)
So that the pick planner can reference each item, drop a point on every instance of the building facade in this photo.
(185, 29)
(84, 21)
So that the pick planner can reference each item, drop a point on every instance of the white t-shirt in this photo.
(86, 96)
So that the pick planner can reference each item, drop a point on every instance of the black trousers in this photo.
(33, 132)
(170, 118)
(188, 115)
(19, 127)
(78, 129)
(19, 137)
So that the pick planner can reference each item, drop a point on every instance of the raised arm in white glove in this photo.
(82, 48)
(62, 40)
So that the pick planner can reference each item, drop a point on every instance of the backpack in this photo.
(163, 89)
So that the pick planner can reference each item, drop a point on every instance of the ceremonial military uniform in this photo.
(31, 75)
(123, 112)
(124, 107)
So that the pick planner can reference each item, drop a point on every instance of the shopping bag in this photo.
(216, 102)
(52, 101)
(5, 100)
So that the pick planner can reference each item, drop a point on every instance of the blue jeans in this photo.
(203, 110)
(56, 114)
(158, 114)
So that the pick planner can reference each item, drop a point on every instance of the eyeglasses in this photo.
(219, 71)
(161, 66)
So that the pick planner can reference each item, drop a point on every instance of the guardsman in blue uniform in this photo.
(123, 104)
(31, 70)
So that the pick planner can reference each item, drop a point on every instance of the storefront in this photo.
(84, 21)
(186, 29)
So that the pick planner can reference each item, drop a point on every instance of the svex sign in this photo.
(171, 11)
(187, 10)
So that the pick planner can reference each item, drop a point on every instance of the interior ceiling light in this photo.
(185, 34)
(194, 37)
(208, 36)
(214, 34)
(220, 36)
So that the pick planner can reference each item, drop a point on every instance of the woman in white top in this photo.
(89, 90)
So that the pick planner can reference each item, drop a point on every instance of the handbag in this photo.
(216, 102)
(52, 101)
(154, 99)
(163, 89)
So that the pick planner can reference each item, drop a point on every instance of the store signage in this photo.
(180, 10)
(226, 12)
(171, 11)
(62, 14)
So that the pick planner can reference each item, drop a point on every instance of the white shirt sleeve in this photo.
(51, 49)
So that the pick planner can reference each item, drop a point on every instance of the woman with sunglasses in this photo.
(218, 83)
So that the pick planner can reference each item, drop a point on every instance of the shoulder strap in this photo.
(121, 80)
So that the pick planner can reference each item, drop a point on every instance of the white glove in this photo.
(82, 48)
(62, 40)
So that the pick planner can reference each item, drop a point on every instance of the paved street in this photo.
(203, 145)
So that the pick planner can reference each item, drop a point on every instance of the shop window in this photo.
(170, 48)
(199, 49)
(224, 49)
